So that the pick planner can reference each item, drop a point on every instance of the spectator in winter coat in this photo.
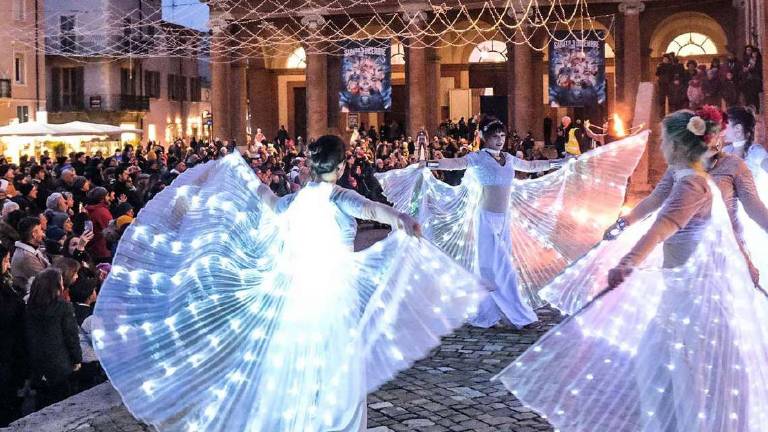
(10, 221)
(678, 98)
(28, 260)
(52, 339)
(13, 352)
(729, 90)
(696, 92)
(99, 213)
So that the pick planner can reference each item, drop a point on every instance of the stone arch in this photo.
(687, 22)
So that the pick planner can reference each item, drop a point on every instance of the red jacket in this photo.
(100, 216)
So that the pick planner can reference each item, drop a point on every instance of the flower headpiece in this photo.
(707, 122)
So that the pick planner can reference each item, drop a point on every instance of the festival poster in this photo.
(577, 69)
(366, 76)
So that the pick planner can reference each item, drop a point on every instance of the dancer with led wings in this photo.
(677, 345)
(229, 309)
(581, 282)
(517, 235)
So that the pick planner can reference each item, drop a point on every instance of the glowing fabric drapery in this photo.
(554, 219)
(674, 350)
(220, 315)
(754, 235)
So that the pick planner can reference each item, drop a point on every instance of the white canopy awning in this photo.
(31, 129)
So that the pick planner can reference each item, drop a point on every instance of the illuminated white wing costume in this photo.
(222, 315)
(671, 349)
(552, 220)
(755, 237)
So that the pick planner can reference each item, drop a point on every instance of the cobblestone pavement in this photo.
(449, 391)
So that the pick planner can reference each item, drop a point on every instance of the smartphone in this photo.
(88, 226)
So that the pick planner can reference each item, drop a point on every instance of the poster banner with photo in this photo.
(366, 76)
(577, 69)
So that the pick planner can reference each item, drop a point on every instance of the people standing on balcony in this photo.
(664, 74)
(677, 96)
(752, 74)
(696, 91)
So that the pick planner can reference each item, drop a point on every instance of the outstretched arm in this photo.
(449, 164)
(355, 205)
(535, 166)
(685, 200)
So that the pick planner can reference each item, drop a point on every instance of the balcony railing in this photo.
(134, 103)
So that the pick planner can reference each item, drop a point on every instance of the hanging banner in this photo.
(577, 69)
(366, 76)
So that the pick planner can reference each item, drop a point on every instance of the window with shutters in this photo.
(22, 113)
(152, 84)
(20, 69)
(5, 88)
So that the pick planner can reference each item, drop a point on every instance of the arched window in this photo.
(297, 59)
(691, 44)
(489, 52)
(397, 54)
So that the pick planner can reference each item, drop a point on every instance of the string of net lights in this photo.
(248, 29)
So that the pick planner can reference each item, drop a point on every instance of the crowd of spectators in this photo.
(61, 218)
(728, 82)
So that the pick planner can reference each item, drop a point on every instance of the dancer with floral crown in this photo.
(517, 235)
(676, 341)
(261, 317)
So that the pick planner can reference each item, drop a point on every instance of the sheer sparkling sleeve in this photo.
(654, 201)
(529, 166)
(359, 207)
(687, 197)
(452, 164)
(747, 193)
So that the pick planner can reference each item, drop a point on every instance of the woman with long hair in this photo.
(676, 341)
(516, 235)
(52, 338)
(262, 317)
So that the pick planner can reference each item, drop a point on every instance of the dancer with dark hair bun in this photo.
(262, 318)
(503, 229)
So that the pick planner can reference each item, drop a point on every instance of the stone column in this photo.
(511, 80)
(415, 75)
(523, 87)
(238, 99)
(317, 95)
(537, 103)
(631, 59)
(220, 70)
(261, 98)
(433, 110)
(316, 82)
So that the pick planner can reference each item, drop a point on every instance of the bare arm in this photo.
(597, 137)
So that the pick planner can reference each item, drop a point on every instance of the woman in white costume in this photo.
(678, 345)
(229, 309)
(517, 235)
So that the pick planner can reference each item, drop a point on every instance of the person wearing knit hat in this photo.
(97, 194)
(54, 242)
(56, 211)
(123, 209)
(27, 198)
(3, 189)
(8, 207)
